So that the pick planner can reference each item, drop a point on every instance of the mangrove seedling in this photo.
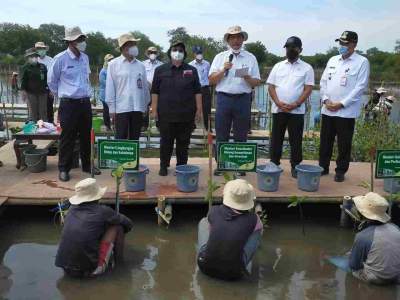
(213, 186)
(117, 173)
(297, 201)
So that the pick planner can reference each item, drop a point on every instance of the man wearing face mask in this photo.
(68, 78)
(343, 83)
(289, 85)
(127, 91)
(176, 102)
(34, 86)
(234, 72)
(203, 67)
(152, 63)
(41, 49)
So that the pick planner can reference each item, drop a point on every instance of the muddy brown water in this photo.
(160, 262)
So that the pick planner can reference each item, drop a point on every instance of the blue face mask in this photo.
(343, 50)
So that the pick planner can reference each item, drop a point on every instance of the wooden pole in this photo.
(92, 139)
(372, 155)
(210, 145)
(161, 208)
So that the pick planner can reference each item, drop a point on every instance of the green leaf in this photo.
(293, 204)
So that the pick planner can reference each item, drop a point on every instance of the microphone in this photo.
(230, 60)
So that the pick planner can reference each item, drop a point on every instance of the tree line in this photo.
(16, 38)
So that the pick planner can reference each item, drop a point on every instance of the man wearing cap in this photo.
(375, 255)
(176, 103)
(343, 83)
(68, 77)
(102, 90)
(203, 68)
(127, 91)
(229, 237)
(41, 49)
(151, 63)
(290, 84)
(92, 239)
(34, 86)
(234, 72)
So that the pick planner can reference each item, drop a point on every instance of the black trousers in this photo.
(50, 111)
(128, 125)
(343, 129)
(170, 132)
(206, 104)
(294, 123)
(106, 115)
(76, 121)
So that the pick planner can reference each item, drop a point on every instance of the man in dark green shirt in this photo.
(34, 86)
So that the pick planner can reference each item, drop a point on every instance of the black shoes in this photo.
(163, 171)
(96, 171)
(324, 172)
(339, 177)
(294, 173)
(63, 176)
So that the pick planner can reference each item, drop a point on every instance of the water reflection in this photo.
(160, 264)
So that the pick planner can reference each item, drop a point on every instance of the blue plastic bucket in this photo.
(308, 177)
(267, 180)
(187, 178)
(391, 185)
(135, 180)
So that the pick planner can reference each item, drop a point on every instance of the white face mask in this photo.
(176, 55)
(235, 51)
(133, 51)
(199, 56)
(81, 46)
(153, 56)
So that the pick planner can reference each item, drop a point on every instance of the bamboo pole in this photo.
(160, 208)
(210, 144)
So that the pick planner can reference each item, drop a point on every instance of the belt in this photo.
(80, 100)
(233, 95)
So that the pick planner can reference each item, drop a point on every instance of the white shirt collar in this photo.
(349, 58)
(124, 59)
(296, 62)
(71, 54)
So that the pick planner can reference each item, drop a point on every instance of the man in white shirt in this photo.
(152, 63)
(234, 72)
(68, 78)
(203, 67)
(343, 83)
(290, 84)
(127, 91)
(41, 49)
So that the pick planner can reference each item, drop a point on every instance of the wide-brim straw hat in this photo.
(41, 45)
(391, 98)
(152, 48)
(239, 194)
(73, 33)
(235, 30)
(372, 206)
(87, 190)
(108, 57)
(126, 37)
(381, 90)
(30, 52)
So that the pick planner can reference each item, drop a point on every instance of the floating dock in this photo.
(25, 188)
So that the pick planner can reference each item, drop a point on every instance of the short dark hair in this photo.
(175, 44)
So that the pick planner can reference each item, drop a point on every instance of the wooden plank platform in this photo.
(25, 188)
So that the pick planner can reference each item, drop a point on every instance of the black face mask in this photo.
(292, 53)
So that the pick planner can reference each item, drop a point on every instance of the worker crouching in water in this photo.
(229, 237)
(93, 235)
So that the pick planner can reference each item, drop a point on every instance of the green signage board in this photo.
(387, 164)
(237, 156)
(112, 153)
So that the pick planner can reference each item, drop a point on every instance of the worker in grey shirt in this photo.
(375, 256)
